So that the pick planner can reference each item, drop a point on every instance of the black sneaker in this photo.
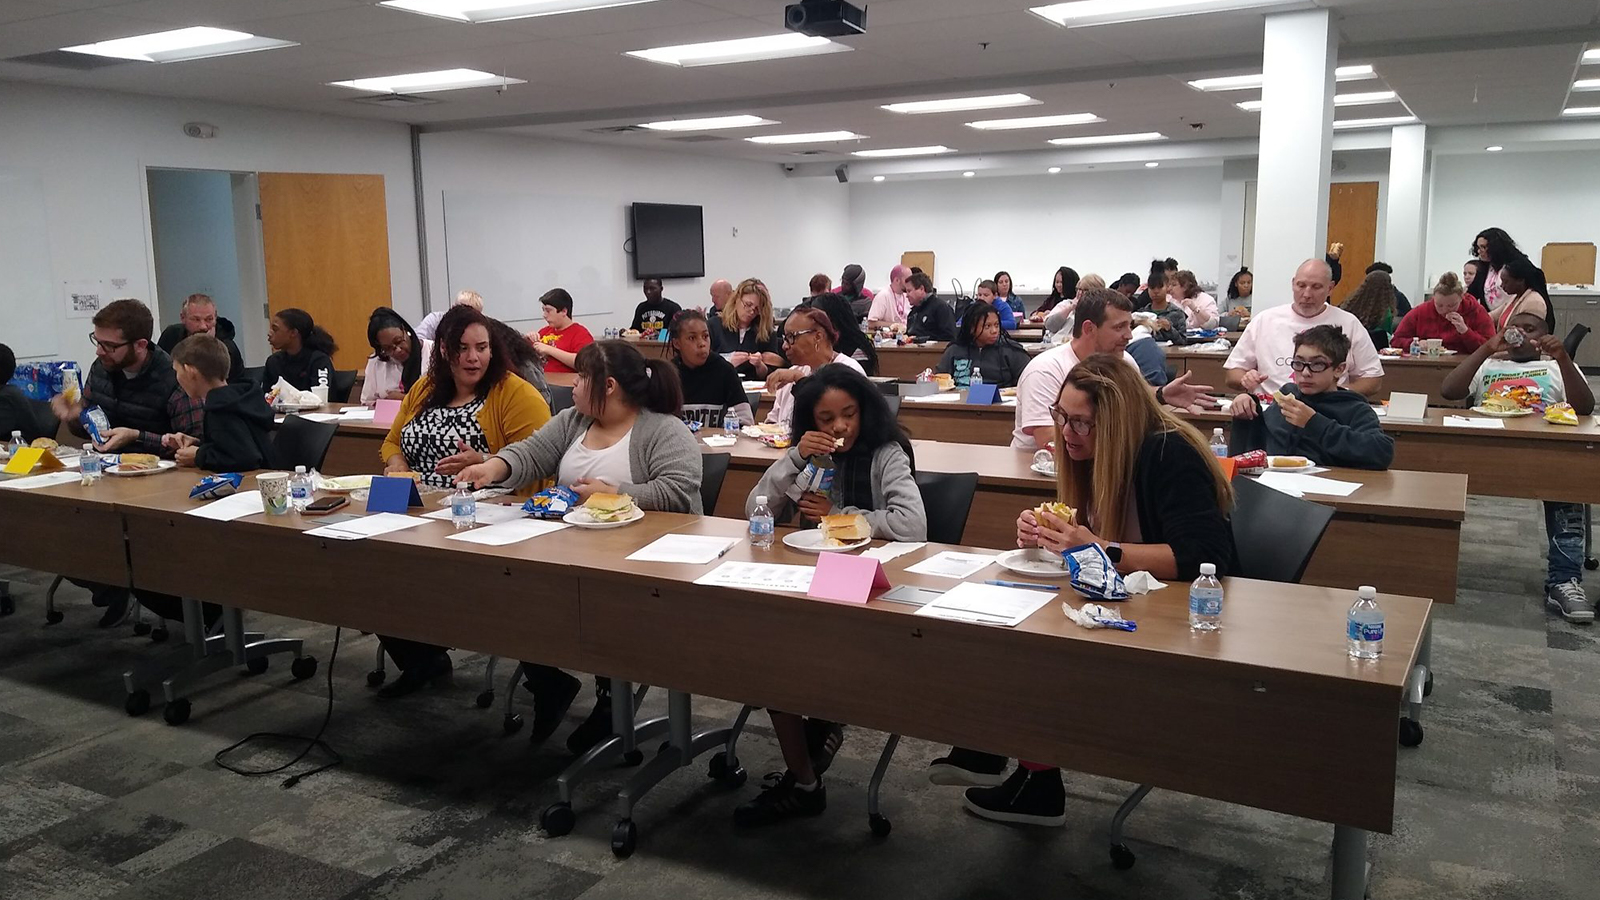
(116, 603)
(597, 727)
(968, 768)
(781, 800)
(436, 672)
(552, 697)
(1026, 798)
(823, 740)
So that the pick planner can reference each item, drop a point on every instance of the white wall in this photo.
(787, 229)
(191, 216)
(90, 149)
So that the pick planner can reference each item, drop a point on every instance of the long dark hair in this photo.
(1502, 249)
(1233, 284)
(447, 348)
(643, 384)
(384, 317)
(851, 338)
(1069, 286)
(312, 335)
(523, 361)
(878, 425)
(972, 323)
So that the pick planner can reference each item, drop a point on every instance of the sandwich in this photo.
(45, 443)
(944, 381)
(1288, 462)
(1500, 403)
(139, 462)
(1055, 508)
(609, 507)
(846, 528)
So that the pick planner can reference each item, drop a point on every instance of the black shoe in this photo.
(781, 800)
(968, 768)
(823, 740)
(597, 727)
(115, 600)
(1026, 798)
(435, 672)
(552, 697)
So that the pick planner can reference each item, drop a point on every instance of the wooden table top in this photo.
(1442, 363)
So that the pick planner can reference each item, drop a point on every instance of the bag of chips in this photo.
(215, 487)
(551, 503)
(1252, 463)
(1094, 575)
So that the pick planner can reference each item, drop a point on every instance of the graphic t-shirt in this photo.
(650, 318)
(573, 338)
(709, 391)
(1506, 376)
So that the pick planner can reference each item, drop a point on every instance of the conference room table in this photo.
(1270, 712)
(1411, 375)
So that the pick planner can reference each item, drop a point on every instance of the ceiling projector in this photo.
(825, 18)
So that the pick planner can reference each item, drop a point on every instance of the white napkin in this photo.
(720, 440)
(1141, 583)
(288, 393)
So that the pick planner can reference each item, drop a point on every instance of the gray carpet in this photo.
(1501, 801)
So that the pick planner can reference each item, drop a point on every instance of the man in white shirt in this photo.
(1261, 358)
(1103, 324)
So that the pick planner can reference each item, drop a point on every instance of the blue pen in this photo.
(1025, 584)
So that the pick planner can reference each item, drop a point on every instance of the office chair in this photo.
(894, 405)
(253, 374)
(560, 398)
(714, 470)
(889, 388)
(1275, 535)
(1571, 342)
(344, 380)
(754, 399)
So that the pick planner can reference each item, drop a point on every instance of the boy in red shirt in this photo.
(560, 340)
(1462, 324)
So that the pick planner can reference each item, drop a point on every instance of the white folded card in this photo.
(1410, 407)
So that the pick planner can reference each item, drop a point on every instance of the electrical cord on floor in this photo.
(312, 743)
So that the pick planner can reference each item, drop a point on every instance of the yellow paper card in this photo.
(27, 458)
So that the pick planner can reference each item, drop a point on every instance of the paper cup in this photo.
(1433, 346)
(274, 492)
(321, 391)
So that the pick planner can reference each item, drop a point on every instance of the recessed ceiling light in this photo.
(716, 53)
(500, 10)
(199, 42)
(424, 82)
(904, 151)
(709, 123)
(1373, 123)
(1035, 122)
(1493, 149)
(961, 104)
(1249, 82)
(1368, 98)
(1581, 111)
(1140, 138)
(1083, 13)
(877, 178)
(1151, 165)
(815, 137)
(1586, 84)
(1054, 170)
(1592, 56)
(968, 174)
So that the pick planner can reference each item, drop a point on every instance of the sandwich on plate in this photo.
(138, 462)
(844, 528)
(609, 507)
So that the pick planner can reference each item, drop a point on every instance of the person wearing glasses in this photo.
(808, 339)
(744, 334)
(1148, 491)
(397, 357)
(1314, 417)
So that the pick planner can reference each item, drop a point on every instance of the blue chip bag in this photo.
(215, 487)
(551, 503)
(96, 423)
(1093, 574)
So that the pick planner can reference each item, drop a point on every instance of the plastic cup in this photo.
(274, 488)
(321, 391)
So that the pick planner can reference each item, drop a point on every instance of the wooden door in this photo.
(325, 241)
(1353, 221)
(921, 259)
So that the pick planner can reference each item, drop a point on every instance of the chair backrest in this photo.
(713, 470)
(1275, 533)
(754, 399)
(1574, 338)
(947, 500)
(254, 374)
(894, 405)
(344, 380)
(560, 398)
(302, 442)
(889, 388)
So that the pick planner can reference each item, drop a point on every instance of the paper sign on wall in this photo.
(82, 299)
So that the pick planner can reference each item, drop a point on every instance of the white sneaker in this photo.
(1569, 600)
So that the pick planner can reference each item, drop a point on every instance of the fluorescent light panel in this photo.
(500, 10)
(1253, 82)
(1592, 56)
(1084, 13)
(1586, 84)
(709, 123)
(1369, 98)
(1035, 122)
(962, 104)
(934, 150)
(198, 42)
(1151, 165)
(1494, 148)
(716, 53)
(815, 137)
(1090, 140)
(1373, 123)
(1581, 111)
(426, 82)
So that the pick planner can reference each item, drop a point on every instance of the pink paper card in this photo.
(846, 579)
(384, 412)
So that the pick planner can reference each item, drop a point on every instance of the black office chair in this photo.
(1275, 535)
(714, 470)
(344, 380)
(894, 405)
(754, 399)
(254, 374)
(302, 442)
(889, 388)
(560, 398)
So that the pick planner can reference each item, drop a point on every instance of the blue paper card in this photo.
(392, 495)
(983, 394)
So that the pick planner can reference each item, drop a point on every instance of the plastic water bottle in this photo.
(300, 489)
(463, 508)
(1205, 600)
(761, 525)
(730, 424)
(89, 465)
(1416, 347)
(1364, 625)
(15, 443)
(976, 378)
(1219, 444)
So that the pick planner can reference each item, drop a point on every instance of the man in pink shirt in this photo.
(890, 305)
(1260, 361)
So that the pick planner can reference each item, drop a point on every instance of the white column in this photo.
(1298, 59)
(1406, 224)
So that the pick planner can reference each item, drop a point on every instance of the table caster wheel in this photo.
(176, 712)
(7, 605)
(1121, 857)
(879, 824)
(1427, 685)
(633, 757)
(160, 635)
(53, 617)
(558, 819)
(256, 665)
(1410, 732)
(376, 677)
(137, 704)
(512, 723)
(485, 699)
(718, 769)
(302, 668)
(1591, 564)
(624, 838)
(142, 629)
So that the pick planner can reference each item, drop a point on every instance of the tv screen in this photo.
(668, 241)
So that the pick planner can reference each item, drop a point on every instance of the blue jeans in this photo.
(1563, 523)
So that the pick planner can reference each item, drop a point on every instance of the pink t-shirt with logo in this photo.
(1039, 387)
(1267, 344)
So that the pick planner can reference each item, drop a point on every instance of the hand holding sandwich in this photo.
(816, 443)
(1295, 411)
(588, 487)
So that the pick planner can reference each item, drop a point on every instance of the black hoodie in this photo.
(172, 334)
(238, 423)
(1344, 432)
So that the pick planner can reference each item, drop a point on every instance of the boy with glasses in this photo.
(1312, 416)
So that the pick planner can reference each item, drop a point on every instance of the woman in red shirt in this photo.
(560, 340)
(1463, 326)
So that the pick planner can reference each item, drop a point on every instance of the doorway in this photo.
(1353, 221)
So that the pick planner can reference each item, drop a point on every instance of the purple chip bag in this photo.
(1094, 575)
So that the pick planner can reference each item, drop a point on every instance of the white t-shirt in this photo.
(783, 401)
(609, 465)
(1267, 344)
(429, 324)
(1039, 387)
(1500, 373)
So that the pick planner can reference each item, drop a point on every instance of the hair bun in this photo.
(1449, 283)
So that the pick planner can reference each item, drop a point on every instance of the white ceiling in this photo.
(1453, 62)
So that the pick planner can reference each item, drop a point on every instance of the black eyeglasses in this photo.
(1315, 366)
(108, 346)
(1064, 421)
(790, 337)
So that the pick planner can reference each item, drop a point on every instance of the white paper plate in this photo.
(810, 540)
(1310, 464)
(121, 472)
(1047, 471)
(1485, 411)
(1034, 561)
(581, 518)
(344, 484)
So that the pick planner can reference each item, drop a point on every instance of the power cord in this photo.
(313, 742)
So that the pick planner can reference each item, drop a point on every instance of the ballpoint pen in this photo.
(1025, 584)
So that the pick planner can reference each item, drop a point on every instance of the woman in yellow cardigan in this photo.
(468, 407)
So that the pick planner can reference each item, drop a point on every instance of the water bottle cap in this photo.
(1208, 569)
(87, 448)
(299, 470)
(1367, 592)
(761, 499)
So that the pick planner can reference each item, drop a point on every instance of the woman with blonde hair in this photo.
(1059, 321)
(1373, 303)
(1146, 489)
(430, 322)
(744, 334)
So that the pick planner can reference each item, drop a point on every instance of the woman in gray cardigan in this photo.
(838, 411)
(621, 436)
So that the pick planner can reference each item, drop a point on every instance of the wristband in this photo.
(1161, 395)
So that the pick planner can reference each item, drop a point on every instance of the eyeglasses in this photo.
(107, 346)
(790, 337)
(1064, 421)
(1316, 366)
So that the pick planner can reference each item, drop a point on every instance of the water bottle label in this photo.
(1205, 604)
(1370, 632)
(761, 526)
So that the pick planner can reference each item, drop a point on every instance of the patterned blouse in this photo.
(432, 435)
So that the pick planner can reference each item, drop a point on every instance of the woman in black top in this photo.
(711, 388)
(852, 340)
(745, 333)
(980, 344)
(1064, 287)
(303, 351)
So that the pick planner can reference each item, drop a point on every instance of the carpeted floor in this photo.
(1501, 801)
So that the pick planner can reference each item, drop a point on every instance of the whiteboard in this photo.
(512, 248)
(28, 298)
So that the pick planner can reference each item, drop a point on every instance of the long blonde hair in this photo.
(1125, 414)
(763, 322)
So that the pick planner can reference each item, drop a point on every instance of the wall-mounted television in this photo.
(668, 241)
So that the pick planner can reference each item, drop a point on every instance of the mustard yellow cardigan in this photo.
(512, 410)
